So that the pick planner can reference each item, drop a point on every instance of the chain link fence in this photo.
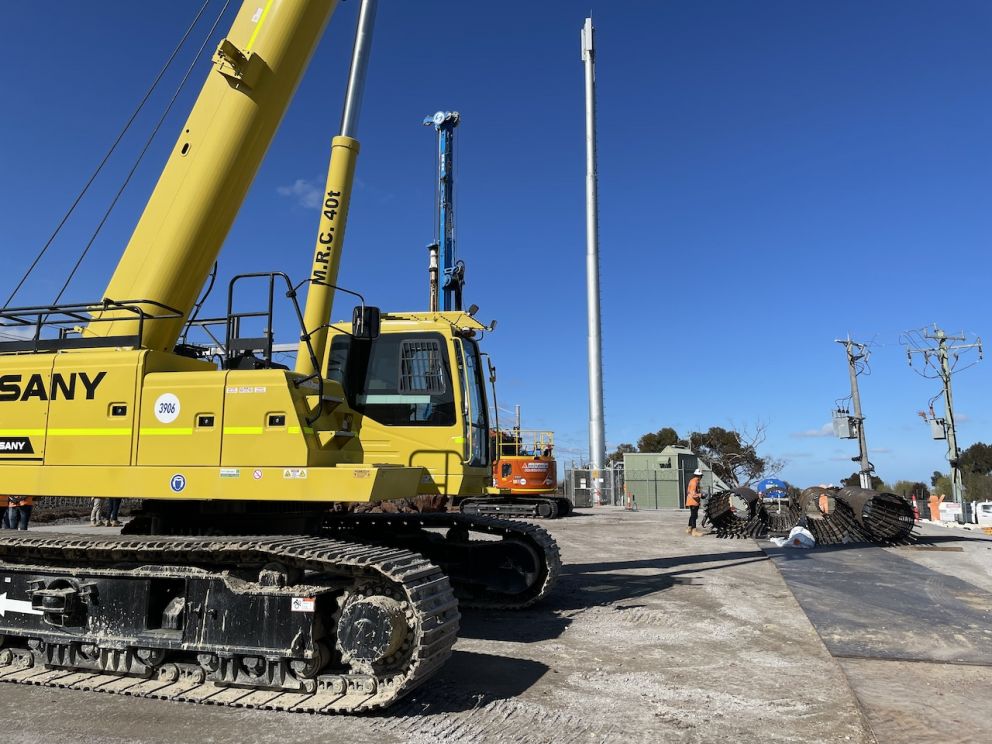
(580, 486)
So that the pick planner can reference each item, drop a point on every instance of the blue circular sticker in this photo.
(178, 482)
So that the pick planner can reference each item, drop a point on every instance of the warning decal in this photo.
(303, 604)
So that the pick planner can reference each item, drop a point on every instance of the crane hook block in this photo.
(240, 68)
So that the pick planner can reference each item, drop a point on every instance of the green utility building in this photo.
(658, 480)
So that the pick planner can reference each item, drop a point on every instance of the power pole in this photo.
(597, 433)
(946, 426)
(856, 353)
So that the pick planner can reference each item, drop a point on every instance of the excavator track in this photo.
(508, 565)
(534, 507)
(366, 624)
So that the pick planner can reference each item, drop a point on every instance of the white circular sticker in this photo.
(167, 408)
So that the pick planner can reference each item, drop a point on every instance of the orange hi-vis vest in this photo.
(25, 501)
(692, 493)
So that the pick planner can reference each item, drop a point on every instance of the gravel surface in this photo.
(650, 636)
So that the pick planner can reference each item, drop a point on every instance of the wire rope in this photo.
(144, 150)
(106, 157)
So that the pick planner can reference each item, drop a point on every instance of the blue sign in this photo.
(178, 482)
(771, 489)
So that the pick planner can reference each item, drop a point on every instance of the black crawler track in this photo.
(514, 565)
(534, 507)
(430, 607)
(446, 539)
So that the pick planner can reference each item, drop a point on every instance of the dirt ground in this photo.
(650, 636)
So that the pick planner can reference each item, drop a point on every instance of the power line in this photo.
(106, 156)
(144, 150)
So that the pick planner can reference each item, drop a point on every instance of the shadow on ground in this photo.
(599, 585)
(584, 585)
(522, 626)
(937, 539)
(459, 685)
(920, 541)
(871, 603)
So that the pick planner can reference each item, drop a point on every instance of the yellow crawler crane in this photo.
(244, 581)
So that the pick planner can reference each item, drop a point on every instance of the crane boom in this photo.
(256, 70)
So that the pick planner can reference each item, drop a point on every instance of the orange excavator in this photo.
(526, 475)
(525, 472)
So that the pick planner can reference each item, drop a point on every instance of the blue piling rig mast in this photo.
(444, 123)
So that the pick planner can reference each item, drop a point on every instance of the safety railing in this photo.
(524, 443)
(61, 327)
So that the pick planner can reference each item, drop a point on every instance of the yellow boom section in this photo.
(255, 72)
(327, 253)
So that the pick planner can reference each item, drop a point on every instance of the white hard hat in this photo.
(697, 471)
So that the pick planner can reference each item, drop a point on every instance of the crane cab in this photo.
(419, 389)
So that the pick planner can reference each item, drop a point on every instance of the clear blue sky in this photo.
(773, 175)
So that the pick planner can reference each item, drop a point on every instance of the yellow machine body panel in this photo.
(23, 412)
(95, 424)
(181, 418)
(74, 408)
(265, 422)
(162, 426)
(356, 483)
(440, 443)
(439, 453)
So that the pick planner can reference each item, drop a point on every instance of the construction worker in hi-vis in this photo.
(693, 495)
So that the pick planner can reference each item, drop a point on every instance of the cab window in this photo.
(397, 379)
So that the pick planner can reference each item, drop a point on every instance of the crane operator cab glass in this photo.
(476, 410)
(409, 380)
